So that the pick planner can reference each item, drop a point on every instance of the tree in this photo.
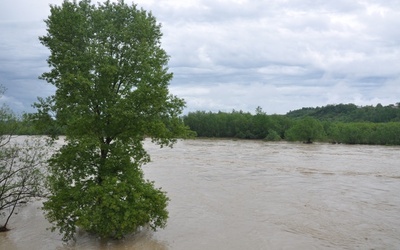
(307, 130)
(111, 80)
(20, 167)
(261, 124)
(272, 136)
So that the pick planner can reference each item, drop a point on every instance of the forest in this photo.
(341, 123)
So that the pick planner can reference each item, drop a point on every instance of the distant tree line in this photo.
(351, 113)
(28, 125)
(343, 123)
(237, 124)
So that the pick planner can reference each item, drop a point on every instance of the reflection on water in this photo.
(255, 195)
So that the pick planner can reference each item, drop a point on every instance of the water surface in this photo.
(229, 194)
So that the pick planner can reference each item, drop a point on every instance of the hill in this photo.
(350, 113)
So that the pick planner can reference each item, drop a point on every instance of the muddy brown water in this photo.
(228, 194)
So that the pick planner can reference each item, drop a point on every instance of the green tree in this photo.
(307, 130)
(331, 131)
(111, 80)
(280, 124)
(261, 124)
(272, 136)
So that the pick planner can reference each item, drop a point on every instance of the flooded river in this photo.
(229, 194)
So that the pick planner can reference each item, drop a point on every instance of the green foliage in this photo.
(44, 121)
(237, 124)
(347, 123)
(213, 124)
(108, 197)
(332, 132)
(8, 121)
(350, 113)
(261, 123)
(303, 125)
(272, 136)
(281, 124)
(307, 130)
(112, 83)
(369, 133)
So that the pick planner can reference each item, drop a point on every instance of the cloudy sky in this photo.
(281, 55)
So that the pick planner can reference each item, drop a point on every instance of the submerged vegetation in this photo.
(342, 123)
(112, 80)
(20, 167)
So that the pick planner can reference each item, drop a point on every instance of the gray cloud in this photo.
(281, 55)
(22, 60)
